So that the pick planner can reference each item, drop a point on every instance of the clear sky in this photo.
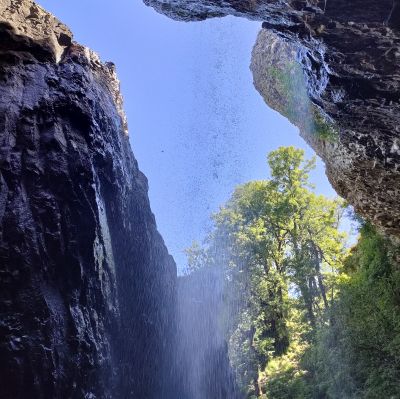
(197, 125)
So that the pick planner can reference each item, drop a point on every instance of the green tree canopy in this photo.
(278, 243)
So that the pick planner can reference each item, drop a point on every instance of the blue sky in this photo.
(197, 125)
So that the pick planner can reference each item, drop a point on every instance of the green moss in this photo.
(322, 128)
(294, 102)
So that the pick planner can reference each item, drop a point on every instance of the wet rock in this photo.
(87, 288)
(348, 52)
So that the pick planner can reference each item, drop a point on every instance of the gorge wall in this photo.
(87, 288)
(348, 53)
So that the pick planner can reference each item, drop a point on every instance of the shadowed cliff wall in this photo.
(87, 288)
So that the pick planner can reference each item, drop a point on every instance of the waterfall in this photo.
(202, 351)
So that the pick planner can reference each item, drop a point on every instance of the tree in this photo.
(278, 242)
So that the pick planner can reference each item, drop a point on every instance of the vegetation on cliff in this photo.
(304, 316)
(288, 94)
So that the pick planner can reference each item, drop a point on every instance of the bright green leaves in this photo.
(279, 245)
(289, 169)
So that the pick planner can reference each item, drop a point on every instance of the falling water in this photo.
(202, 350)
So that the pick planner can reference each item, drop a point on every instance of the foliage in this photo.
(273, 236)
(304, 317)
(358, 354)
(284, 376)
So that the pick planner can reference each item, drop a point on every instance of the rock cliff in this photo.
(87, 288)
(348, 54)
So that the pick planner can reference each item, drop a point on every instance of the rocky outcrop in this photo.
(87, 288)
(348, 53)
(347, 112)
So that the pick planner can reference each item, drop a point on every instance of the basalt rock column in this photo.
(349, 53)
(87, 287)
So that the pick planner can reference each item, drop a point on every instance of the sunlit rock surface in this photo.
(349, 53)
(87, 286)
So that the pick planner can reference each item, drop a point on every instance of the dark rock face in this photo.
(349, 54)
(87, 288)
(286, 12)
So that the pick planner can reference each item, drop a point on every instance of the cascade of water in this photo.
(202, 352)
